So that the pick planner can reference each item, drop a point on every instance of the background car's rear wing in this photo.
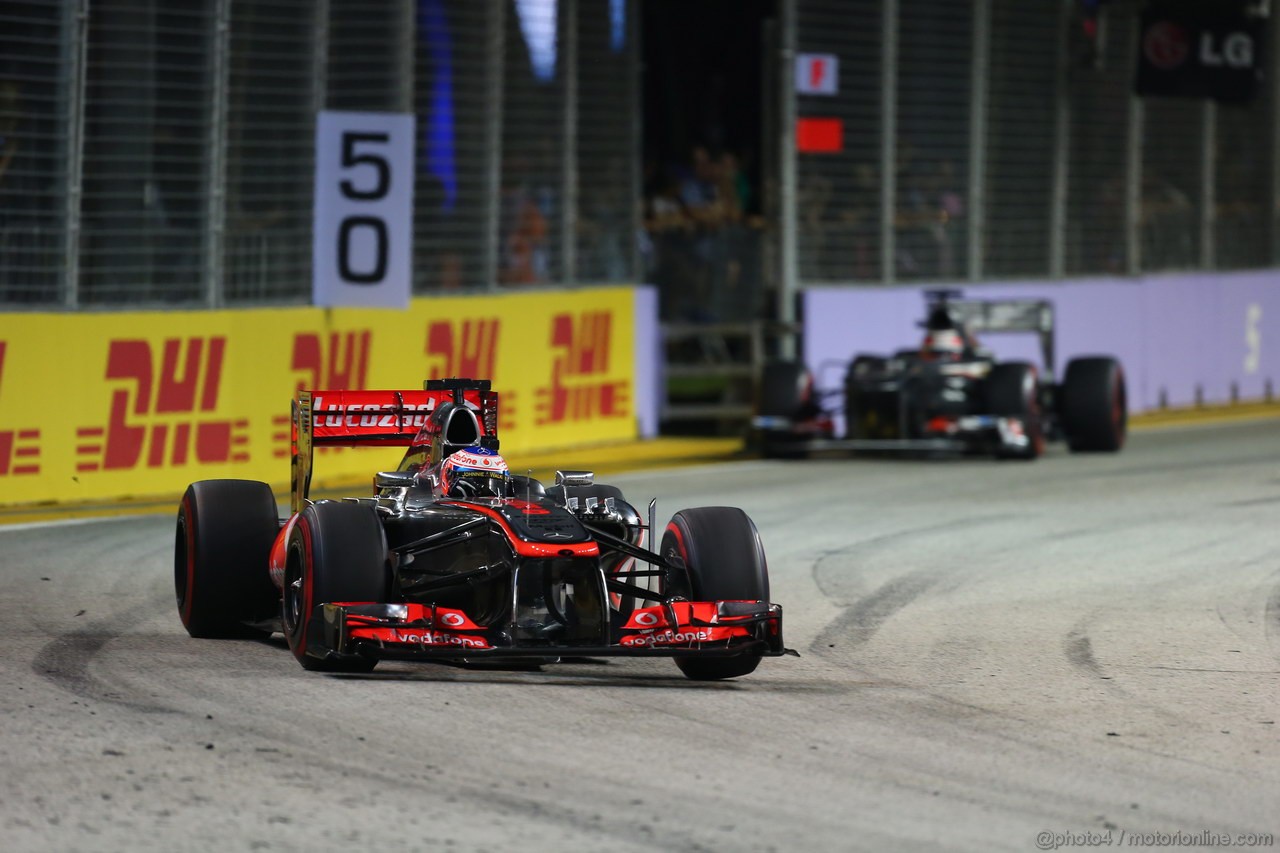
(1002, 315)
(376, 418)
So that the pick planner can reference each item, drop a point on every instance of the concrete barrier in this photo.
(1183, 339)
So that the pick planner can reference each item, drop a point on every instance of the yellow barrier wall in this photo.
(106, 406)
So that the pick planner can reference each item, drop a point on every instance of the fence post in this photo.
(888, 140)
(216, 165)
(1133, 187)
(495, 57)
(569, 147)
(788, 208)
(1061, 148)
(979, 80)
(1208, 184)
(75, 28)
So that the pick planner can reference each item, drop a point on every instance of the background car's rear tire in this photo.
(861, 368)
(786, 391)
(222, 545)
(721, 549)
(1093, 404)
(1013, 390)
(337, 552)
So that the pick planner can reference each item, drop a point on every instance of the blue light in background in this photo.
(438, 144)
(618, 25)
(538, 26)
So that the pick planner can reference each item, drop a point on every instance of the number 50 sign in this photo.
(363, 234)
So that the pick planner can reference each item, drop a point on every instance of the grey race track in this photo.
(989, 651)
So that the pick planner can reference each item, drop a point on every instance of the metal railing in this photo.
(712, 370)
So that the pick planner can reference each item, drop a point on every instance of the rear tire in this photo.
(859, 368)
(222, 547)
(337, 552)
(721, 549)
(1013, 390)
(786, 391)
(1093, 405)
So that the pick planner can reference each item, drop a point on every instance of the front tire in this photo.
(725, 560)
(1013, 390)
(337, 552)
(222, 545)
(1094, 405)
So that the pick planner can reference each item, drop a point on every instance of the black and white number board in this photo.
(363, 235)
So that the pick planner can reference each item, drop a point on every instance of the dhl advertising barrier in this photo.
(105, 406)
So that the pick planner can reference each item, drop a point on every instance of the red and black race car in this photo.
(950, 395)
(441, 563)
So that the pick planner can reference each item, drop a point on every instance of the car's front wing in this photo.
(675, 629)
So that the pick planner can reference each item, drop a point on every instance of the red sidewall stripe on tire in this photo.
(190, 532)
(684, 551)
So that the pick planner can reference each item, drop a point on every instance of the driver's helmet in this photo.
(943, 345)
(474, 472)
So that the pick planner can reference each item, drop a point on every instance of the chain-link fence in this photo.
(161, 152)
(1016, 148)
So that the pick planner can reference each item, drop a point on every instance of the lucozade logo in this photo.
(579, 389)
(161, 416)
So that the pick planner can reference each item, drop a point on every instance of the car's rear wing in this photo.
(347, 418)
(1003, 315)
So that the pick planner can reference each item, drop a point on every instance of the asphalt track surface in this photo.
(990, 651)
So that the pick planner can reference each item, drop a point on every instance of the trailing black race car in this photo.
(455, 558)
(950, 395)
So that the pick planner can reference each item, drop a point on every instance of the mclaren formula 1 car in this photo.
(504, 570)
(949, 396)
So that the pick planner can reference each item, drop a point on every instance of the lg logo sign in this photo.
(1236, 50)
(1197, 52)
(1167, 46)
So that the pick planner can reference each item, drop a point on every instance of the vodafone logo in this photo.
(647, 620)
(1166, 45)
(452, 620)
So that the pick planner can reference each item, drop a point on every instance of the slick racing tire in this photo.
(222, 545)
(337, 552)
(721, 550)
(786, 391)
(1093, 405)
(862, 367)
(1012, 390)
(784, 388)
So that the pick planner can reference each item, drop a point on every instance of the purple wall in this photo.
(648, 353)
(1172, 334)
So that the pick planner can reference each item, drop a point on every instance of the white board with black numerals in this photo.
(362, 244)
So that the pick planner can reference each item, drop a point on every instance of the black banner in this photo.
(1199, 53)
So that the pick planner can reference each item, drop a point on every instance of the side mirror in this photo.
(393, 479)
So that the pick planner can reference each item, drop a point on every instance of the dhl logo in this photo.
(469, 348)
(159, 417)
(463, 348)
(340, 360)
(19, 449)
(581, 356)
